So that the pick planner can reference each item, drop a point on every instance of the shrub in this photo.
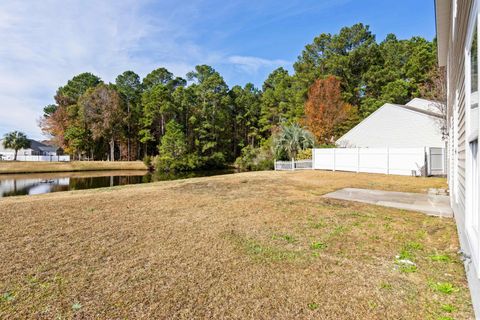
(215, 161)
(185, 163)
(255, 159)
(147, 160)
(290, 140)
(305, 154)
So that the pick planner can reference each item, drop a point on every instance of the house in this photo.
(416, 124)
(457, 39)
(36, 149)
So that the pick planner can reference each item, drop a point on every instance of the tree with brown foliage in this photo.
(325, 109)
(54, 124)
(104, 114)
(435, 89)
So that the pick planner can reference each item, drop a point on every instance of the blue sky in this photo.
(45, 43)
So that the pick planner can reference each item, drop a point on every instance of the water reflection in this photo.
(30, 184)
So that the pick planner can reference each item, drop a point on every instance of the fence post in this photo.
(293, 164)
(358, 160)
(313, 159)
(275, 164)
(334, 159)
(427, 158)
(388, 160)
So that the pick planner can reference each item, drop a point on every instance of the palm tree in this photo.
(290, 140)
(16, 140)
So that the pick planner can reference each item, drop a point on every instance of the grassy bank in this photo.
(34, 167)
(249, 245)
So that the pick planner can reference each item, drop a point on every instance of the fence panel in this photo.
(346, 159)
(283, 165)
(373, 160)
(303, 164)
(324, 159)
(403, 161)
(437, 164)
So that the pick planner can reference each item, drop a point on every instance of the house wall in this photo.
(461, 24)
(23, 152)
(26, 152)
(394, 126)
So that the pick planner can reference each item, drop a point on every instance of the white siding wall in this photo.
(394, 126)
(458, 26)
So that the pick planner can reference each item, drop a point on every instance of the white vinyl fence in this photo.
(10, 157)
(437, 161)
(293, 165)
(400, 161)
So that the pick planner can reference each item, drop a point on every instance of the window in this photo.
(474, 182)
(474, 70)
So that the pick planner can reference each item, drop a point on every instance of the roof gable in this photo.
(391, 124)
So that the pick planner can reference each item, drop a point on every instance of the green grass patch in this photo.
(408, 251)
(288, 238)
(338, 230)
(448, 308)
(262, 252)
(444, 287)
(405, 255)
(76, 306)
(7, 297)
(312, 306)
(386, 285)
(413, 246)
(440, 258)
(317, 245)
(407, 268)
(318, 224)
(405, 259)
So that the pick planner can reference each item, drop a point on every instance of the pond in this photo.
(38, 183)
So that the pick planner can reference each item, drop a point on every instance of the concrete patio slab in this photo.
(435, 205)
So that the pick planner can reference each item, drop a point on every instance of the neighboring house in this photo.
(36, 149)
(416, 124)
(457, 36)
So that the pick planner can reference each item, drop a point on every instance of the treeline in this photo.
(201, 122)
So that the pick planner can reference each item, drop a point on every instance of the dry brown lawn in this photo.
(33, 167)
(252, 245)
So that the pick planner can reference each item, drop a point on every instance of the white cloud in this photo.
(45, 43)
(254, 64)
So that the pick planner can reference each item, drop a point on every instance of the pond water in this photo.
(38, 183)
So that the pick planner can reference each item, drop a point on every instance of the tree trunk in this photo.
(128, 148)
(163, 124)
(128, 140)
(15, 156)
(112, 150)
